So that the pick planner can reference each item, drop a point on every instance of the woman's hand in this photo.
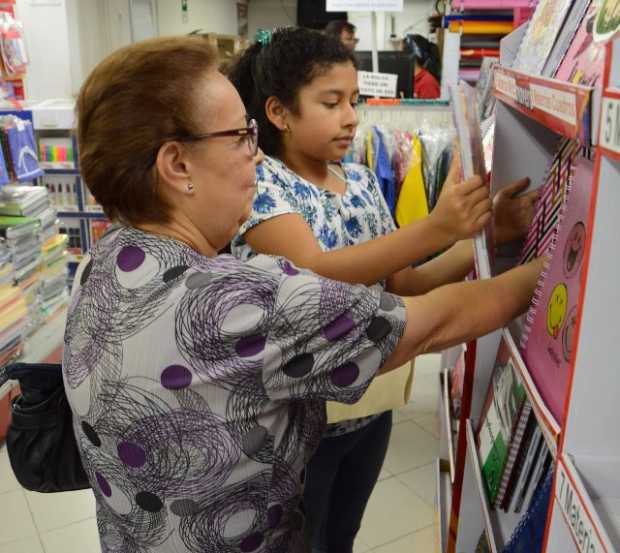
(513, 213)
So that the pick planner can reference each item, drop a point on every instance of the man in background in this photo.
(343, 31)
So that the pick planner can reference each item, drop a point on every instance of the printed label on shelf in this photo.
(610, 132)
(560, 106)
(377, 84)
(506, 84)
(364, 5)
(576, 514)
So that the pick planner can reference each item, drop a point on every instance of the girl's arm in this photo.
(463, 209)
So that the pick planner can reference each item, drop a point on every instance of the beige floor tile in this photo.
(385, 474)
(15, 519)
(55, 510)
(422, 482)
(359, 546)
(430, 423)
(81, 537)
(422, 541)
(393, 512)
(8, 482)
(410, 447)
(29, 545)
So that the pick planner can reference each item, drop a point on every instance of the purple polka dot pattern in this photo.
(131, 454)
(289, 269)
(176, 377)
(338, 328)
(345, 375)
(249, 346)
(299, 366)
(130, 258)
(274, 516)
(104, 486)
(252, 542)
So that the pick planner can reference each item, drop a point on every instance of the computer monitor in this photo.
(395, 62)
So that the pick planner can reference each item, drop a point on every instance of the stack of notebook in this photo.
(13, 310)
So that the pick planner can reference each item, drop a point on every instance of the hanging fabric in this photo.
(412, 202)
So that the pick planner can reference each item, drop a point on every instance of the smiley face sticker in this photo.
(573, 249)
(556, 309)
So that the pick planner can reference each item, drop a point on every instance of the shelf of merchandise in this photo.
(562, 107)
(549, 426)
(584, 513)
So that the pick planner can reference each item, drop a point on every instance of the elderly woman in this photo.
(198, 381)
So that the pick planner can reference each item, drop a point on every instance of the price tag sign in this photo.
(382, 85)
(364, 6)
(610, 133)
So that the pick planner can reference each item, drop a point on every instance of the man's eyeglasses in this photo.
(250, 133)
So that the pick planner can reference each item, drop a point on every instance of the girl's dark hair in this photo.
(293, 58)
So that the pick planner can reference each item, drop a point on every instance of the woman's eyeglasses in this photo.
(250, 133)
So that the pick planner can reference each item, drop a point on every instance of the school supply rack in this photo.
(556, 130)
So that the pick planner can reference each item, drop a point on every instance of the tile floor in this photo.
(400, 517)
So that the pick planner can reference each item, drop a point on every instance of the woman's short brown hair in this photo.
(133, 101)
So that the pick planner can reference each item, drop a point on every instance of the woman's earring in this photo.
(190, 188)
(287, 129)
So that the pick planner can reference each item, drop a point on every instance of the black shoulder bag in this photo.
(40, 440)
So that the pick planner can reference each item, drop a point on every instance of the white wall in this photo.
(218, 16)
(47, 39)
(413, 19)
(267, 14)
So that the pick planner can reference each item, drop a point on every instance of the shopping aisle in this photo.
(400, 517)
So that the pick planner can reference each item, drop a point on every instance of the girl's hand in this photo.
(513, 213)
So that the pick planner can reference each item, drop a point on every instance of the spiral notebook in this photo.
(548, 336)
(553, 193)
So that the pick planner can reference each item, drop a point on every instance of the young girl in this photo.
(330, 217)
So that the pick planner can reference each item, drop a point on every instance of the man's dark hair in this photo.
(336, 27)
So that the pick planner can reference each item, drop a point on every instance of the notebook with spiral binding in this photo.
(548, 207)
(548, 335)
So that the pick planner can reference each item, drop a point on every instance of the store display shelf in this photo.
(583, 512)
(81, 214)
(446, 419)
(490, 526)
(490, 4)
(55, 169)
(549, 426)
(563, 107)
(609, 139)
(443, 502)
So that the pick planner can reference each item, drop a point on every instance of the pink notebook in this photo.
(585, 60)
(548, 337)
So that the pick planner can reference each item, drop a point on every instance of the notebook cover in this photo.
(585, 60)
(515, 446)
(540, 35)
(467, 123)
(505, 399)
(548, 208)
(548, 336)
(573, 21)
